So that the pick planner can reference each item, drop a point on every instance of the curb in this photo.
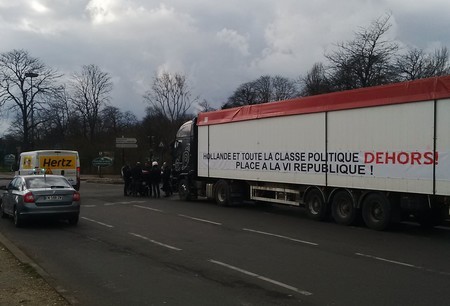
(24, 259)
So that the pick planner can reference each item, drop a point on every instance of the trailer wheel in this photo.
(342, 208)
(183, 190)
(316, 208)
(376, 211)
(222, 193)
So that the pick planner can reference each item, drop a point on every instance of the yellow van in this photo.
(61, 162)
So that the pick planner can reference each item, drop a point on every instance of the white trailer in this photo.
(382, 151)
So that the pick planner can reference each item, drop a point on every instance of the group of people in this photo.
(146, 180)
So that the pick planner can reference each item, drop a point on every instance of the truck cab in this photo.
(185, 159)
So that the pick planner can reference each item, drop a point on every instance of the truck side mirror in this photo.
(177, 143)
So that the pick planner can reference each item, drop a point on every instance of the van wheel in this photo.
(222, 193)
(18, 219)
(316, 208)
(376, 211)
(342, 208)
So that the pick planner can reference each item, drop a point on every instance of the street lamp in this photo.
(32, 75)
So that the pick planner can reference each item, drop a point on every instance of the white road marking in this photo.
(122, 203)
(149, 208)
(388, 260)
(261, 277)
(201, 220)
(403, 264)
(101, 223)
(280, 236)
(443, 228)
(156, 242)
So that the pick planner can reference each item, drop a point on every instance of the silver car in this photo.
(29, 196)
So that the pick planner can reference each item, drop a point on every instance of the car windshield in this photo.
(46, 182)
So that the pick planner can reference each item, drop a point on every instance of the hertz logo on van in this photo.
(57, 162)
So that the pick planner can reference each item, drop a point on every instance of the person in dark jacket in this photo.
(136, 176)
(146, 178)
(166, 172)
(155, 177)
(126, 176)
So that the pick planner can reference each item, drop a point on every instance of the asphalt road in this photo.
(141, 251)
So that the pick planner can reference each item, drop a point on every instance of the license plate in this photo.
(53, 198)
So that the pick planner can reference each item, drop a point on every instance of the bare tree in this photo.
(367, 60)
(245, 94)
(170, 95)
(23, 79)
(205, 106)
(262, 90)
(114, 121)
(56, 118)
(90, 93)
(315, 82)
(417, 64)
(283, 88)
(439, 62)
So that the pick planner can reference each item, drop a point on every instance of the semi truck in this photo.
(378, 154)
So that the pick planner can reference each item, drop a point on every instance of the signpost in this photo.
(126, 143)
(9, 159)
(100, 162)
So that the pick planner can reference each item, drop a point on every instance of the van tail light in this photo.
(78, 179)
(76, 196)
(28, 198)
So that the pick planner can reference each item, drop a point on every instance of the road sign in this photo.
(9, 159)
(126, 145)
(102, 161)
(125, 140)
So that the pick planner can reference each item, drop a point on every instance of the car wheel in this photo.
(3, 215)
(73, 220)
(18, 219)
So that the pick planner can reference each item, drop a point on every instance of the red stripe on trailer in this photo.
(396, 93)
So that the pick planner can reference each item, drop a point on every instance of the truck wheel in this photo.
(342, 208)
(376, 211)
(18, 219)
(183, 190)
(316, 208)
(222, 193)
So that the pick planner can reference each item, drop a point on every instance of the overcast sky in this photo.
(218, 45)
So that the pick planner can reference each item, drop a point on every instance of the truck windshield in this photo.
(185, 130)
